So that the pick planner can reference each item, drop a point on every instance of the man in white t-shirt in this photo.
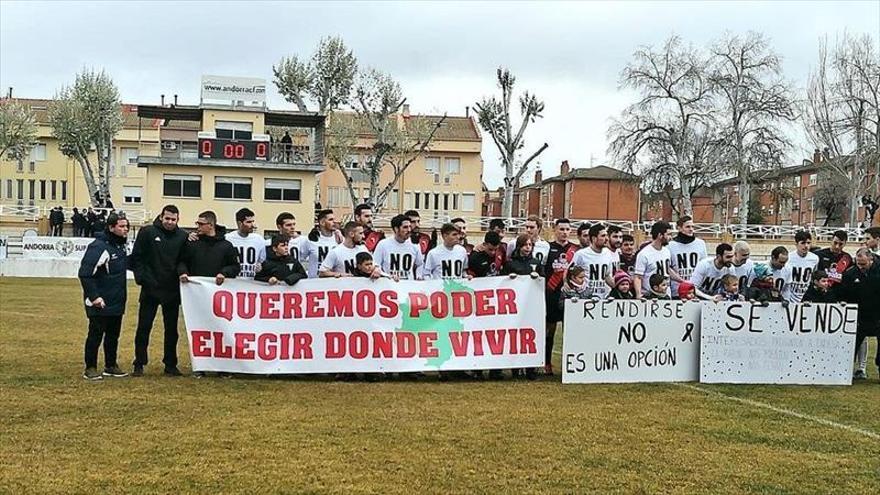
(597, 262)
(251, 247)
(708, 272)
(615, 242)
(449, 260)
(340, 261)
(397, 255)
(325, 238)
(743, 267)
(654, 258)
(298, 244)
(803, 263)
(532, 227)
(779, 270)
(685, 250)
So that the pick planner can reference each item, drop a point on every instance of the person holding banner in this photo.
(449, 260)
(801, 266)
(250, 245)
(532, 227)
(521, 262)
(597, 262)
(210, 255)
(297, 245)
(659, 287)
(709, 272)
(556, 266)
(340, 261)
(397, 255)
(742, 266)
(861, 285)
(654, 258)
(686, 250)
(102, 274)
(281, 265)
(157, 250)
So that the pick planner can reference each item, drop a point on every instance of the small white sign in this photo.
(71, 248)
(4, 246)
(249, 90)
(628, 341)
(806, 344)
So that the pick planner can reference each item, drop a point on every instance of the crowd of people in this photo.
(86, 222)
(600, 262)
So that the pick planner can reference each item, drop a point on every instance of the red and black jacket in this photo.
(372, 238)
(555, 267)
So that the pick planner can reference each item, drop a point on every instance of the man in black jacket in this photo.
(102, 276)
(211, 255)
(280, 266)
(153, 260)
(861, 285)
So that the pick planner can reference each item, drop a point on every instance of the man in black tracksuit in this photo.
(102, 276)
(154, 260)
(861, 285)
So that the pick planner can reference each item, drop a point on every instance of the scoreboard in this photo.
(230, 149)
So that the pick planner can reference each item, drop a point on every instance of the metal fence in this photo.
(34, 213)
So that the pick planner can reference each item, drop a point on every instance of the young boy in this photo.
(687, 291)
(659, 287)
(819, 289)
(729, 289)
(622, 286)
(364, 267)
(280, 265)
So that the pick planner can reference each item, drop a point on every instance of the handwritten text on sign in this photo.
(631, 341)
(793, 344)
(360, 325)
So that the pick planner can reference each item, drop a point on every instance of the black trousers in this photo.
(866, 331)
(106, 329)
(149, 305)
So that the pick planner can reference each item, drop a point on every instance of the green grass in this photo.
(61, 434)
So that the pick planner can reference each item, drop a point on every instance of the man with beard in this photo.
(685, 250)
(540, 247)
(419, 238)
(558, 260)
(615, 240)
(325, 238)
(251, 247)
(743, 267)
(153, 260)
(397, 255)
(597, 262)
(833, 260)
(872, 240)
(363, 215)
(583, 234)
(709, 272)
(802, 266)
(461, 225)
(861, 285)
(627, 253)
(654, 258)
(340, 261)
(498, 226)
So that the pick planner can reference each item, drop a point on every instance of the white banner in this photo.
(360, 325)
(55, 247)
(247, 89)
(809, 344)
(4, 246)
(624, 341)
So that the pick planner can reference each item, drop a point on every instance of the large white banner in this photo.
(623, 341)
(4, 246)
(71, 248)
(810, 344)
(361, 325)
(247, 89)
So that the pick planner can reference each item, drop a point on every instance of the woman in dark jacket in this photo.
(522, 262)
(280, 266)
(102, 275)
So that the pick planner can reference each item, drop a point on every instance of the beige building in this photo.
(444, 183)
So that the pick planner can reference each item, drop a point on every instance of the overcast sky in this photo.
(444, 54)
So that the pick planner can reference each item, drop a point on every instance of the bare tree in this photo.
(18, 130)
(85, 118)
(753, 99)
(326, 80)
(842, 114)
(670, 131)
(494, 117)
(832, 195)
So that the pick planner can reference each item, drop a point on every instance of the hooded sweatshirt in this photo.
(208, 256)
(287, 269)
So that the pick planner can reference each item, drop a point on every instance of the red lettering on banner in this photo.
(292, 305)
(439, 305)
(242, 343)
(247, 304)
(284, 352)
(312, 308)
(220, 350)
(302, 346)
(358, 345)
(199, 343)
(495, 339)
(527, 341)
(366, 303)
(264, 350)
(388, 304)
(477, 336)
(335, 345)
(406, 344)
(223, 304)
(482, 302)
(417, 303)
(339, 303)
(506, 302)
(514, 349)
(462, 305)
(383, 344)
(267, 306)
(426, 344)
(459, 341)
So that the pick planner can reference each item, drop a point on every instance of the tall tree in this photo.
(842, 114)
(670, 132)
(85, 118)
(325, 80)
(18, 130)
(494, 116)
(832, 195)
(753, 100)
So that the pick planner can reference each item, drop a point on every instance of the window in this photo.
(445, 201)
(432, 167)
(427, 200)
(32, 166)
(43, 189)
(232, 188)
(19, 166)
(455, 201)
(64, 190)
(282, 190)
(132, 194)
(468, 201)
(234, 130)
(128, 156)
(38, 153)
(182, 186)
(9, 188)
(796, 205)
(54, 189)
(453, 166)
(418, 204)
(19, 184)
(813, 179)
(392, 199)
(352, 162)
(336, 196)
(32, 186)
(408, 201)
(811, 204)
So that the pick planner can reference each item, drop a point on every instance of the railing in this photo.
(34, 213)
(277, 152)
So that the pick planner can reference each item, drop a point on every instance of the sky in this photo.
(570, 54)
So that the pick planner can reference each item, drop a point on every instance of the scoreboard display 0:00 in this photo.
(227, 149)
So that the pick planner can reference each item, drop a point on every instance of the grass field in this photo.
(61, 434)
